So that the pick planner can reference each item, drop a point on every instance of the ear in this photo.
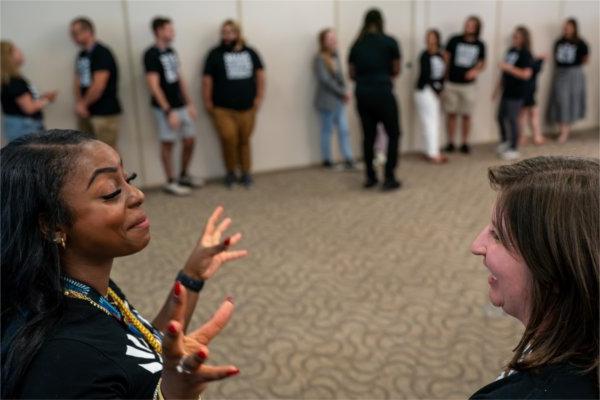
(49, 234)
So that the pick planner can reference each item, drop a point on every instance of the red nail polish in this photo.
(172, 329)
(201, 354)
(229, 299)
(177, 288)
(227, 241)
(233, 372)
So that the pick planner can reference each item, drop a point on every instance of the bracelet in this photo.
(195, 285)
(158, 393)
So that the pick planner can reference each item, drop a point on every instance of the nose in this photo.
(136, 197)
(478, 245)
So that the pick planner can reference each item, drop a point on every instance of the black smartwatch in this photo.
(195, 285)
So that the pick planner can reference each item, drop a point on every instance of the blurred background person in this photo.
(530, 112)
(516, 70)
(374, 63)
(427, 95)
(465, 58)
(233, 87)
(331, 98)
(172, 105)
(96, 82)
(21, 103)
(567, 99)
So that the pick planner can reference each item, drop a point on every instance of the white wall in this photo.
(284, 33)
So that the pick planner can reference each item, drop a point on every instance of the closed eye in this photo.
(117, 192)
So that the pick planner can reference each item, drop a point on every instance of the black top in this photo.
(432, 71)
(536, 66)
(16, 87)
(92, 355)
(568, 53)
(560, 381)
(99, 58)
(515, 88)
(234, 76)
(372, 58)
(464, 55)
(166, 63)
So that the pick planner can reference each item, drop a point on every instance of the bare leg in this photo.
(466, 127)
(166, 151)
(186, 154)
(534, 120)
(523, 125)
(565, 130)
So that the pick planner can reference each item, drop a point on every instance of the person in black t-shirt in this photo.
(96, 82)
(233, 86)
(530, 112)
(516, 71)
(429, 86)
(568, 98)
(173, 107)
(465, 58)
(21, 104)
(374, 62)
(68, 210)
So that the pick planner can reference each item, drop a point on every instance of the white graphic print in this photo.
(437, 66)
(141, 350)
(512, 57)
(84, 71)
(34, 93)
(466, 55)
(170, 66)
(238, 65)
(566, 53)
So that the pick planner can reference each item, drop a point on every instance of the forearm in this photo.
(92, 94)
(260, 84)
(160, 98)
(163, 317)
(207, 90)
(186, 96)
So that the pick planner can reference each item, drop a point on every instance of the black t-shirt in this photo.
(92, 355)
(166, 63)
(515, 88)
(464, 55)
(569, 53)
(234, 76)
(99, 58)
(433, 69)
(372, 58)
(536, 66)
(15, 88)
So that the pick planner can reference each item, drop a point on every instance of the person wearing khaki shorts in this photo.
(465, 57)
(232, 89)
(96, 81)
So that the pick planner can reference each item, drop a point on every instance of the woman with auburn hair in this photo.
(233, 87)
(21, 104)
(331, 97)
(542, 250)
(68, 331)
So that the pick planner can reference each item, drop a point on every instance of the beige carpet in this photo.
(347, 293)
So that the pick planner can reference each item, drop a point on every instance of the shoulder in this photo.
(103, 50)
(390, 40)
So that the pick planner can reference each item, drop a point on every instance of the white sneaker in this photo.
(176, 189)
(502, 148)
(510, 155)
(380, 159)
(191, 181)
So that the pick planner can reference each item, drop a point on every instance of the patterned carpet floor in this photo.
(347, 293)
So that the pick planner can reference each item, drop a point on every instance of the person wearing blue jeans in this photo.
(330, 99)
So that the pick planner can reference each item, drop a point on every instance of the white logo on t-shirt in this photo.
(466, 55)
(34, 93)
(512, 57)
(238, 65)
(566, 53)
(84, 71)
(437, 67)
(141, 350)
(170, 66)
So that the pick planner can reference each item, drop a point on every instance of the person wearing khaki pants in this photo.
(232, 89)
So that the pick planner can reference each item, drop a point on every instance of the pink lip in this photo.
(142, 223)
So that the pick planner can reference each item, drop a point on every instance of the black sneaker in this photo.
(349, 165)
(230, 179)
(465, 149)
(391, 184)
(327, 164)
(370, 182)
(246, 180)
(449, 148)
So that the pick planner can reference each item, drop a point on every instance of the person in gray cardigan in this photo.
(331, 99)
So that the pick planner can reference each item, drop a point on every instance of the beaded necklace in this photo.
(120, 310)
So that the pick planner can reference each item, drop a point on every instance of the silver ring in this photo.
(182, 368)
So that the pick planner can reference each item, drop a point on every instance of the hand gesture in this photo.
(210, 253)
(471, 74)
(50, 96)
(192, 111)
(174, 120)
(81, 109)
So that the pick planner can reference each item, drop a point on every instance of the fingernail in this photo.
(172, 329)
(201, 354)
(227, 241)
(229, 299)
(233, 372)
(177, 288)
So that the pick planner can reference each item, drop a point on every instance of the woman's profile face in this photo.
(108, 220)
(510, 278)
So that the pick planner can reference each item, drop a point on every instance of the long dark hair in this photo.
(373, 21)
(33, 171)
(547, 212)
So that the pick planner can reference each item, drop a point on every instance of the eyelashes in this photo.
(117, 192)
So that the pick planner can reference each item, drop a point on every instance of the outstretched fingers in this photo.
(216, 323)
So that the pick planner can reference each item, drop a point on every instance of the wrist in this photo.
(190, 280)
(167, 111)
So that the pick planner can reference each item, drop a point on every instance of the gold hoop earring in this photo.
(61, 241)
